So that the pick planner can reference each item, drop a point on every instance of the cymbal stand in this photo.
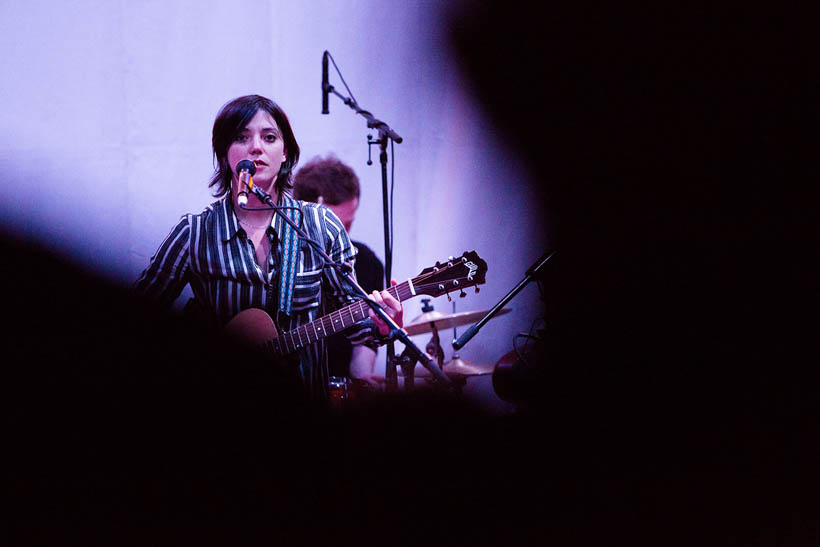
(455, 336)
(408, 364)
(459, 381)
(434, 346)
(407, 361)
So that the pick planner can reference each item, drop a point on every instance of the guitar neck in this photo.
(336, 321)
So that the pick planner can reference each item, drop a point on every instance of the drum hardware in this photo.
(457, 369)
(345, 392)
(338, 391)
(407, 364)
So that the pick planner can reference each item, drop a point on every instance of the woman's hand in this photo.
(391, 306)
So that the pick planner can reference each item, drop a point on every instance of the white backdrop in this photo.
(106, 118)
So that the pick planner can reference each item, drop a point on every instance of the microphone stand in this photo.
(385, 134)
(395, 331)
(532, 272)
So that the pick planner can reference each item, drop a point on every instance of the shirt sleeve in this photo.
(341, 250)
(167, 274)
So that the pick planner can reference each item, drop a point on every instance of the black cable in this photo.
(341, 77)
(301, 214)
(529, 336)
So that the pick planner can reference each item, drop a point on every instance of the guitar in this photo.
(254, 326)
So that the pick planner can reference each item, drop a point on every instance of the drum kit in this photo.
(344, 390)
(432, 321)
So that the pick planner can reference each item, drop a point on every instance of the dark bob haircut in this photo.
(230, 122)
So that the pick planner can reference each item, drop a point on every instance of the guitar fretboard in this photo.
(334, 322)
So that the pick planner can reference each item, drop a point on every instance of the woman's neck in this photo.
(257, 214)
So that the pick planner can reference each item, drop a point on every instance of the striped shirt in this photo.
(211, 252)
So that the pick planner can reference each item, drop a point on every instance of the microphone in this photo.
(326, 87)
(245, 169)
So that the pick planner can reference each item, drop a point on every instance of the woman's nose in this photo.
(256, 144)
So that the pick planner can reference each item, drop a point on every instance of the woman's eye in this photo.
(270, 138)
(240, 138)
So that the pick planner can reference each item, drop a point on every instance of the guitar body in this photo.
(252, 326)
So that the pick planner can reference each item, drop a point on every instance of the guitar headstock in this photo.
(454, 274)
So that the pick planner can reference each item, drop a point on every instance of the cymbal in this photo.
(421, 324)
(461, 367)
(454, 367)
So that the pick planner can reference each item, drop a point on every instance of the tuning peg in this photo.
(477, 290)
(462, 294)
(448, 298)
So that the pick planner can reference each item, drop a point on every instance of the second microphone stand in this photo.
(385, 134)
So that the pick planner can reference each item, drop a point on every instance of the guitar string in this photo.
(339, 313)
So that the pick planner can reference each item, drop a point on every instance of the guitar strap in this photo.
(290, 255)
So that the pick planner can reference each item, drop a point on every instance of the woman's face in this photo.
(261, 142)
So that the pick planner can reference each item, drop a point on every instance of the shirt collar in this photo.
(228, 219)
(232, 222)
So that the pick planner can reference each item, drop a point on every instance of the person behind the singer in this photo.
(235, 258)
(331, 182)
